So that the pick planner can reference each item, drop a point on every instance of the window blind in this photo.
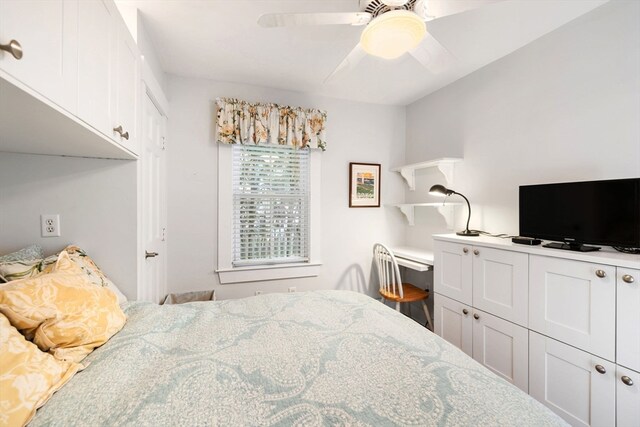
(270, 205)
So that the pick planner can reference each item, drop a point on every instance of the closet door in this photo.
(576, 385)
(502, 347)
(452, 321)
(46, 31)
(96, 64)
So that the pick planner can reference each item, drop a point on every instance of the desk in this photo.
(413, 258)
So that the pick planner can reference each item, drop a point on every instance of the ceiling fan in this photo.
(392, 28)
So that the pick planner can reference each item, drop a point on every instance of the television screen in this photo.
(595, 212)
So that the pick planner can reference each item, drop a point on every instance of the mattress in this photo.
(317, 358)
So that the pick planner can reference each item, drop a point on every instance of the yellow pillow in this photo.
(28, 377)
(62, 311)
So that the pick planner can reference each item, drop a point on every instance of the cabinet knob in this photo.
(476, 252)
(626, 380)
(465, 311)
(627, 278)
(601, 274)
(122, 133)
(465, 250)
(476, 316)
(601, 369)
(14, 48)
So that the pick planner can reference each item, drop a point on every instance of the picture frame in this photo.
(364, 185)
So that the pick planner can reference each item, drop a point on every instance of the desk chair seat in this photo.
(391, 286)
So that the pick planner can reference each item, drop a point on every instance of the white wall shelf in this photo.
(445, 165)
(446, 210)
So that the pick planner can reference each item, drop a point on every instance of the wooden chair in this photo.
(391, 286)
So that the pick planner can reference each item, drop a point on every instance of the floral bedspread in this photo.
(317, 358)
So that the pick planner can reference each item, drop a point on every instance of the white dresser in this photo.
(562, 326)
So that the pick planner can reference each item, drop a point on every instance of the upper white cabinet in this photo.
(493, 280)
(454, 272)
(628, 319)
(45, 31)
(96, 80)
(75, 91)
(501, 283)
(574, 302)
(127, 90)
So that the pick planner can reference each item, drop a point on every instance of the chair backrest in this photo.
(388, 270)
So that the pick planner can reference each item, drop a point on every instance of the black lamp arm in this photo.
(468, 206)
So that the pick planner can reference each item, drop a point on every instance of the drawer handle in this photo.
(465, 250)
(465, 311)
(601, 274)
(122, 133)
(476, 252)
(476, 316)
(601, 369)
(148, 254)
(627, 278)
(14, 48)
(626, 380)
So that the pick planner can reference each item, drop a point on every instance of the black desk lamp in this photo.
(441, 190)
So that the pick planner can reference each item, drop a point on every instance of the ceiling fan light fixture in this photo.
(392, 34)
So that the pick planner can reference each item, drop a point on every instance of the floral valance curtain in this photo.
(241, 122)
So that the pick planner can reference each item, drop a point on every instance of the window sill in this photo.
(260, 273)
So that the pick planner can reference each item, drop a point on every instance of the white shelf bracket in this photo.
(447, 212)
(447, 170)
(409, 212)
(409, 175)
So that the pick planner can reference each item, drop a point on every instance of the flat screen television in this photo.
(580, 213)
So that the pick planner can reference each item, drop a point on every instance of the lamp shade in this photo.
(440, 190)
(392, 34)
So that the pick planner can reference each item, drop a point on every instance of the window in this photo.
(270, 205)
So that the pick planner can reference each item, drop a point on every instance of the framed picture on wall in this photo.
(364, 185)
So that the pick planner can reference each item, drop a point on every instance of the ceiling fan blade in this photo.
(434, 9)
(349, 63)
(271, 20)
(432, 55)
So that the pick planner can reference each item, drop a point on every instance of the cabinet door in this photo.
(628, 315)
(46, 31)
(452, 321)
(452, 271)
(568, 381)
(95, 65)
(574, 302)
(127, 84)
(503, 347)
(627, 397)
(501, 283)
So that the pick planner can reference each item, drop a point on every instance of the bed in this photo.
(317, 358)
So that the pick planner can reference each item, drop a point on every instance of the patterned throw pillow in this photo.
(28, 377)
(62, 312)
(21, 264)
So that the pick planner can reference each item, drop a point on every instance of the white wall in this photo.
(95, 200)
(355, 132)
(564, 108)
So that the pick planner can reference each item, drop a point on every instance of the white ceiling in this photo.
(220, 40)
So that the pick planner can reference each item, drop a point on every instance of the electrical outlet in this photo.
(50, 225)
(258, 292)
(292, 289)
